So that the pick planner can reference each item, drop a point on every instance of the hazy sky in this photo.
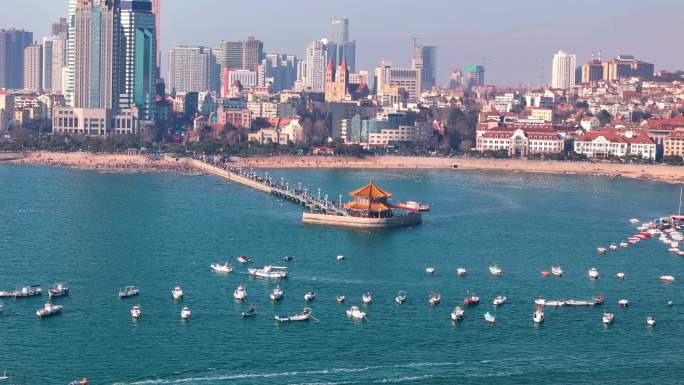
(518, 37)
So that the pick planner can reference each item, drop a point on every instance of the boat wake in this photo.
(231, 377)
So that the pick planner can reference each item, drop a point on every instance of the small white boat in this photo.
(593, 273)
(549, 303)
(538, 315)
(49, 309)
(612, 247)
(495, 270)
(623, 302)
(457, 314)
(634, 221)
(601, 250)
(177, 293)
(4, 376)
(340, 258)
(367, 298)
(556, 270)
(620, 275)
(269, 272)
(59, 290)
(650, 321)
(309, 296)
(624, 244)
(434, 298)
(222, 267)
(667, 278)
(136, 311)
(340, 299)
(303, 316)
(240, 293)
(355, 313)
(243, 259)
(429, 270)
(277, 294)
(499, 300)
(471, 300)
(669, 303)
(129, 291)
(185, 313)
(608, 318)
(400, 298)
(461, 271)
(489, 318)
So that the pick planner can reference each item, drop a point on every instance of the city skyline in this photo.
(531, 36)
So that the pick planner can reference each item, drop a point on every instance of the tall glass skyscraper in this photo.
(339, 41)
(12, 44)
(427, 55)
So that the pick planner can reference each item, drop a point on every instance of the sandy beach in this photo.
(143, 163)
(663, 173)
(100, 162)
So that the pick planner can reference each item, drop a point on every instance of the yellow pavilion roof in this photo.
(370, 191)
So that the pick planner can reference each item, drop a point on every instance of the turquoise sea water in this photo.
(99, 232)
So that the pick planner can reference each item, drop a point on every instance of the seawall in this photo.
(361, 223)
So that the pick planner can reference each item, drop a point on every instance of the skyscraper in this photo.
(563, 70)
(60, 27)
(12, 44)
(54, 62)
(139, 60)
(97, 69)
(340, 47)
(281, 69)
(427, 55)
(230, 54)
(156, 10)
(474, 76)
(252, 53)
(316, 62)
(190, 69)
(69, 74)
(33, 63)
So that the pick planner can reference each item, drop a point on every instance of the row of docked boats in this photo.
(58, 290)
(494, 270)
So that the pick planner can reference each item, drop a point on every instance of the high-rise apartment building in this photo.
(474, 76)
(391, 80)
(280, 70)
(563, 70)
(316, 64)
(97, 54)
(60, 27)
(252, 53)
(190, 69)
(139, 50)
(627, 66)
(69, 74)
(33, 65)
(592, 71)
(156, 10)
(12, 44)
(427, 55)
(245, 54)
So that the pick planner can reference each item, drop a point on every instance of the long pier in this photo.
(248, 178)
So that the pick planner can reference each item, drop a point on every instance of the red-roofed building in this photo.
(520, 140)
(604, 143)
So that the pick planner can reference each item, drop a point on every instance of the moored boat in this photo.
(593, 273)
(574, 302)
(222, 267)
(612, 247)
(240, 293)
(549, 303)
(556, 270)
(434, 298)
(309, 296)
(499, 300)
(538, 315)
(489, 318)
(82, 381)
(457, 314)
(413, 206)
(129, 291)
(340, 299)
(277, 294)
(303, 316)
(249, 313)
(269, 272)
(624, 244)
(601, 250)
(624, 302)
(59, 290)
(136, 311)
(495, 270)
(288, 258)
(634, 221)
(355, 313)
(28, 291)
(243, 259)
(185, 313)
(620, 275)
(340, 258)
(429, 270)
(400, 298)
(49, 309)
(177, 293)
(545, 274)
(461, 271)
(471, 300)
(608, 318)
(367, 298)
(667, 278)
(650, 321)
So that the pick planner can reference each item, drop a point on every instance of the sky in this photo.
(515, 39)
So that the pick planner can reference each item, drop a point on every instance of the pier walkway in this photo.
(300, 195)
